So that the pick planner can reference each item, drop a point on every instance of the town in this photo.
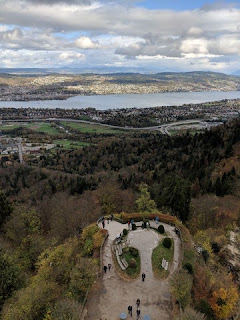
(219, 111)
(60, 87)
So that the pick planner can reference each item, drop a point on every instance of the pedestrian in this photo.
(128, 224)
(143, 276)
(111, 217)
(138, 303)
(130, 310)
(105, 269)
(138, 313)
(103, 223)
(109, 266)
(108, 220)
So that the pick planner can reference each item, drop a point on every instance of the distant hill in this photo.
(51, 84)
(236, 73)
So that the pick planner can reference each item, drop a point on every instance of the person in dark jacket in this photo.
(130, 310)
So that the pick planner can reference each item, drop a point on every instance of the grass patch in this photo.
(158, 254)
(71, 144)
(43, 127)
(35, 126)
(189, 256)
(131, 272)
(10, 127)
(90, 128)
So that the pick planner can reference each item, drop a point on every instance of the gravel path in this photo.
(115, 294)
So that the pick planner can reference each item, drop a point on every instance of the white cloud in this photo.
(86, 43)
(118, 27)
(197, 46)
(70, 56)
(11, 35)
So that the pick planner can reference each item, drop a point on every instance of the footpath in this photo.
(112, 295)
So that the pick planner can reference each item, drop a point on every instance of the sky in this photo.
(140, 36)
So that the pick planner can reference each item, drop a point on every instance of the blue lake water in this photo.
(117, 101)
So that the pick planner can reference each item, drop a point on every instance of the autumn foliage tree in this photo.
(180, 286)
(224, 302)
(144, 202)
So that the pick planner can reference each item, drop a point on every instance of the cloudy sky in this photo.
(150, 35)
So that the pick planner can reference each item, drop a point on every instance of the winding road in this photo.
(162, 128)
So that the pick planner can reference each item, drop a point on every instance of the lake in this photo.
(117, 101)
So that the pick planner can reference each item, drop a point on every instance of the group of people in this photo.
(138, 312)
(109, 266)
(108, 219)
(130, 223)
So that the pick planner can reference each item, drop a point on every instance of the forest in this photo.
(49, 243)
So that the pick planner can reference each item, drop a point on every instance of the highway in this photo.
(161, 128)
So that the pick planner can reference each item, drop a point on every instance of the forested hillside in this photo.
(46, 207)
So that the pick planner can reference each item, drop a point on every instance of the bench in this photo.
(120, 263)
(118, 250)
(124, 262)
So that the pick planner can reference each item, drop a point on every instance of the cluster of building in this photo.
(212, 111)
(8, 146)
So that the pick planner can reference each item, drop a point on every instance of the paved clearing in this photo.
(112, 296)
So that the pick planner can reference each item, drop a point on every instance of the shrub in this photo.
(161, 229)
(167, 242)
(133, 263)
(134, 227)
(205, 308)
(125, 232)
(89, 231)
(188, 267)
(205, 255)
(134, 251)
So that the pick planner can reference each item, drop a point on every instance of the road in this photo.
(161, 128)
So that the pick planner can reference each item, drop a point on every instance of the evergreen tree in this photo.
(5, 208)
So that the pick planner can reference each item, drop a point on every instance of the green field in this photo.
(158, 254)
(90, 128)
(71, 144)
(36, 126)
(43, 127)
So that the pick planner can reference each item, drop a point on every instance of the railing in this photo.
(101, 255)
(84, 303)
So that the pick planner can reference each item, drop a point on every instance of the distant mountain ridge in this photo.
(236, 73)
(113, 71)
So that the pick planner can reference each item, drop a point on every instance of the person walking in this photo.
(143, 276)
(130, 310)
(103, 223)
(105, 269)
(109, 266)
(111, 217)
(138, 303)
(138, 313)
